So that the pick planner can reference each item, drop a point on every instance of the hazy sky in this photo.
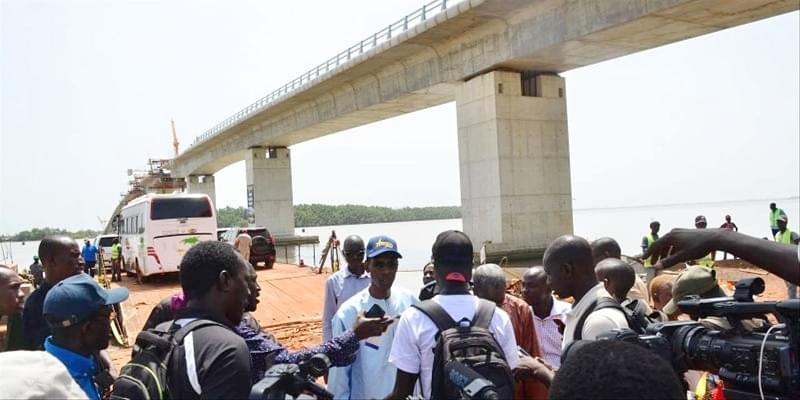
(88, 89)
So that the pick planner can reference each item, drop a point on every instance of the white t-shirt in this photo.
(414, 339)
(597, 322)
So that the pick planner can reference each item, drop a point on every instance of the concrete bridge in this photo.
(499, 61)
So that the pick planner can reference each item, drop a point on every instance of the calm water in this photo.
(626, 224)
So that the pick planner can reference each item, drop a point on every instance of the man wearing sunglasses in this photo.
(346, 282)
(78, 311)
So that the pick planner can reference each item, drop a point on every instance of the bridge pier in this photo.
(269, 188)
(202, 184)
(514, 161)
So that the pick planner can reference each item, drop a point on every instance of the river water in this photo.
(626, 224)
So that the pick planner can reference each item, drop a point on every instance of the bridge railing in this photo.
(422, 14)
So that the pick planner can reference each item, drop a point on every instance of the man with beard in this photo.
(371, 376)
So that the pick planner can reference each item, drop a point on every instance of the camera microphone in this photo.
(471, 383)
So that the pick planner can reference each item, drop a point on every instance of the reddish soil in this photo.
(290, 308)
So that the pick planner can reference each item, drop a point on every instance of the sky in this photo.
(88, 89)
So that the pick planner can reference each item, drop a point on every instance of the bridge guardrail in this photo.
(422, 14)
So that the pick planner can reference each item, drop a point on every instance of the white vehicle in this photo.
(103, 244)
(156, 230)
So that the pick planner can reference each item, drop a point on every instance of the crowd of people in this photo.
(382, 340)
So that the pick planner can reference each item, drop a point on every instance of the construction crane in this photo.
(174, 138)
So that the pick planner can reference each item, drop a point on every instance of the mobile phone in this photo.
(375, 312)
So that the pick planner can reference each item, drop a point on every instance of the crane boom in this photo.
(175, 142)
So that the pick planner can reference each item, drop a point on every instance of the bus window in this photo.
(177, 208)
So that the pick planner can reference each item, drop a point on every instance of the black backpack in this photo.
(145, 376)
(634, 314)
(472, 345)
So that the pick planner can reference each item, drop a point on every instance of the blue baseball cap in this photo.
(76, 298)
(381, 244)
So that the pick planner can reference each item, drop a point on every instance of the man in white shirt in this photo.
(242, 243)
(344, 283)
(415, 338)
(569, 266)
(549, 313)
(371, 376)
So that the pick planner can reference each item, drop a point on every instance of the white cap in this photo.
(36, 375)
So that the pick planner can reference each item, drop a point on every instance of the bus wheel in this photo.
(139, 277)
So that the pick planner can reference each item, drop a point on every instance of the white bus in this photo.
(156, 230)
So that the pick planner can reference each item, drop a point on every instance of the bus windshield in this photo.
(178, 208)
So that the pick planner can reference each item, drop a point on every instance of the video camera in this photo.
(472, 385)
(761, 363)
(293, 381)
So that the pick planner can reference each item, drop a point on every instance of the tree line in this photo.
(305, 215)
(40, 233)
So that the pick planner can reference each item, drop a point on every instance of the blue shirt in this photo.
(371, 376)
(339, 287)
(81, 368)
(89, 253)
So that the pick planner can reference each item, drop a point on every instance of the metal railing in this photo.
(334, 63)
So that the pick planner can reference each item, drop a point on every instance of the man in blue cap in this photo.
(371, 376)
(78, 311)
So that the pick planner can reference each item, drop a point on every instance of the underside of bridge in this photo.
(499, 60)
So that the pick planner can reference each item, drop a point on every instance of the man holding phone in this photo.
(371, 376)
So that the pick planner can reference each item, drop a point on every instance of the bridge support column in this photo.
(514, 161)
(202, 184)
(269, 189)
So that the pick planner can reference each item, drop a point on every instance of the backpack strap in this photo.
(437, 314)
(599, 304)
(179, 334)
(484, 314)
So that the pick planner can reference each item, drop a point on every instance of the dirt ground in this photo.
(290, 307)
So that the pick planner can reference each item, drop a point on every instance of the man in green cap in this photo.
(700, 281)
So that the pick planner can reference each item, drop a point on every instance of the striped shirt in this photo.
(550, 331)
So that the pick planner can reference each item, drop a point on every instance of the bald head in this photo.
(535, 274)
(353, 242)
(11, 294)
(353, 250)
(535, 289)
(569, 265)
(6, 273)
(605, 247)
(60, 256)
(617, 276)
(51, 245)
(661, 290)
